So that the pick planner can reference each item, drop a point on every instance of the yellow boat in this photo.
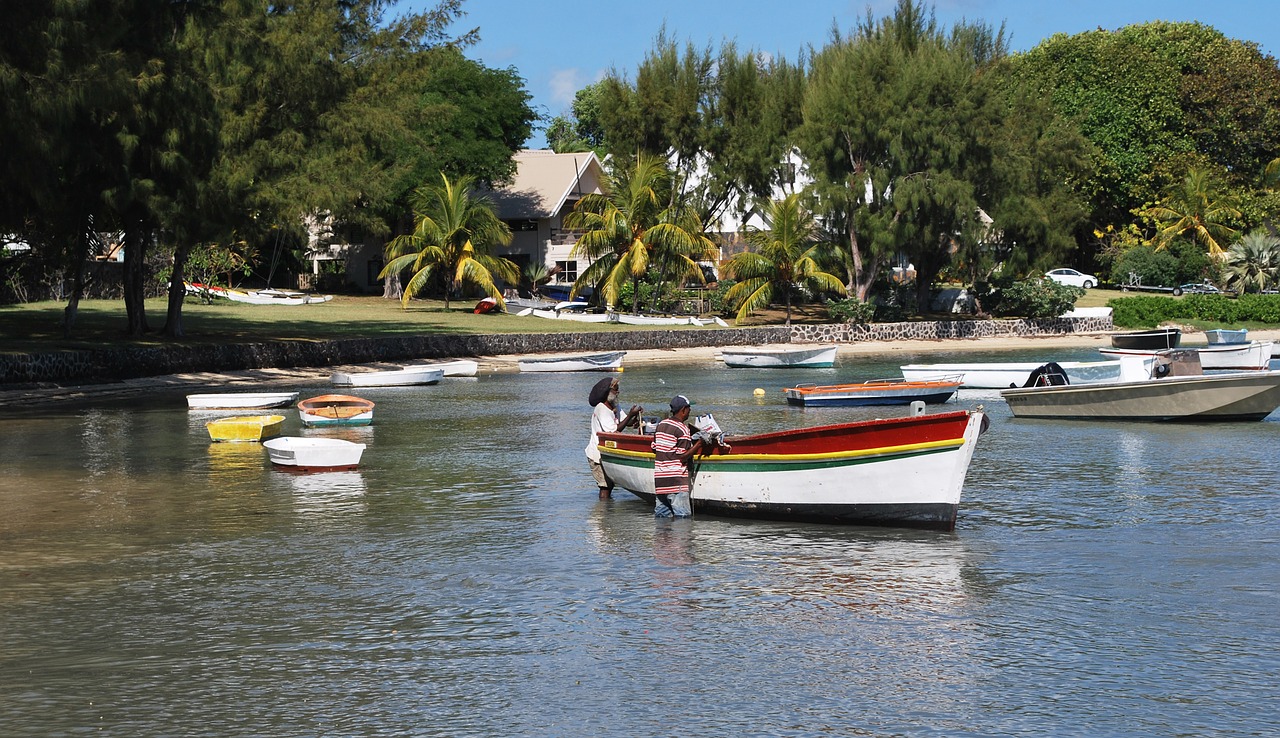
(245, 427)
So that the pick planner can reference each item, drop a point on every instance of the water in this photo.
(1103, 579)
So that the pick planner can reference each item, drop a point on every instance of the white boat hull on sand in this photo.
(774, 357)
(458, 368)
(604, 362)
(1207, 397)
(240, 400)
(392, 378)
(1254, 355)
(313, 454)
(1004, 375)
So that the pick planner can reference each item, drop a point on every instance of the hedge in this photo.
(1145, 311)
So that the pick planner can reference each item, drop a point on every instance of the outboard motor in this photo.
(1046, 376)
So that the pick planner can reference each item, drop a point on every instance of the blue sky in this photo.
(559, 46)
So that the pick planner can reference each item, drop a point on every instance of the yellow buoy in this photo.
(758, 392)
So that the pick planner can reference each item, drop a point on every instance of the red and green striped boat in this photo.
(905, 472)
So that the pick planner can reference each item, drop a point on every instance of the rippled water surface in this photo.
(1104, 579)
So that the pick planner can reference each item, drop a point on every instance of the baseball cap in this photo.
(678, 402)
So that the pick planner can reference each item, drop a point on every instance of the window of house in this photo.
(522, 225)
(568, 271)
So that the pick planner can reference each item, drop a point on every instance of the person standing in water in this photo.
(606, 418)
(673, 448)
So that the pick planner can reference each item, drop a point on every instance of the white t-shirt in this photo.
(603, 420)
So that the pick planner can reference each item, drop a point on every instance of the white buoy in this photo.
(758, 392)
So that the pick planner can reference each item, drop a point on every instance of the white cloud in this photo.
(564, 84)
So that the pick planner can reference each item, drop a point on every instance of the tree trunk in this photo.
(391, 287)
(77, 286)
(177, 292)
(136, 237)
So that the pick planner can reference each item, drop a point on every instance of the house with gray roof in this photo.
(544, 189)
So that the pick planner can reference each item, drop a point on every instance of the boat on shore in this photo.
(1003, 375)
(905, 472)
(240, 400)
(1252, 355)
(873, 392)
(631, 319)
(258, 297)
(1150, 340)
(773, 357)
(245, 428)
(343, 410)
(1226, 336)
(406, 376)
(294, 453)
(1177, 389)
(456, 368)
(610, 361)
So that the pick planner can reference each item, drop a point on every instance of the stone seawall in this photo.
(941, 329)
(131, 363)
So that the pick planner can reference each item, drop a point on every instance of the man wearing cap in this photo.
(606, 418)
(673, 447)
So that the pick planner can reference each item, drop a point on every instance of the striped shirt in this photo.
(670, 472)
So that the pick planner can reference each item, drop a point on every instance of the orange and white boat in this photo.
(874, 392)
(335, 410)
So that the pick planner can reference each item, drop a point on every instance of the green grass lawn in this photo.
(100, 323)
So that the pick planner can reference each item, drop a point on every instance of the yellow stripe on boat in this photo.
(880, 451)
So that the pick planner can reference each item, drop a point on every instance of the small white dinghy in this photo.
(294, 453)
(240, 400)
(605, 362)
(456, 368)
(409, 375)
(773, 357)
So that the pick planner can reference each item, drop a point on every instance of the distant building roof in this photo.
(544, 181)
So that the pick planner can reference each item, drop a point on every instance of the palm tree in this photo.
(784, 260)
(631, 225)
(454, 232)
(1197, 209)
(1253, 263)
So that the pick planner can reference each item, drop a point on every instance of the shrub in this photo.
(1033, 298)
(1145, 311)
(851, 310)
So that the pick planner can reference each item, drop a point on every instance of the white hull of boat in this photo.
(1255, 355)
(566, 315)
(924, 478)
(626, 319)
(313, 454)
(605, 362)
(1004, 375)
(1227, 396)
(1227, 337)
(773, 357)
(240, 400)
(391, 378)
(458, 368)
(260, 297)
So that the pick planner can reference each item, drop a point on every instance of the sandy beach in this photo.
(251, 380)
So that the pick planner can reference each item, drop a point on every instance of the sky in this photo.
(560, 46)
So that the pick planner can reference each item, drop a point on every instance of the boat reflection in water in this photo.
(802, 568)
(328, 494)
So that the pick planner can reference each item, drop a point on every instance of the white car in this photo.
(1072, 278)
